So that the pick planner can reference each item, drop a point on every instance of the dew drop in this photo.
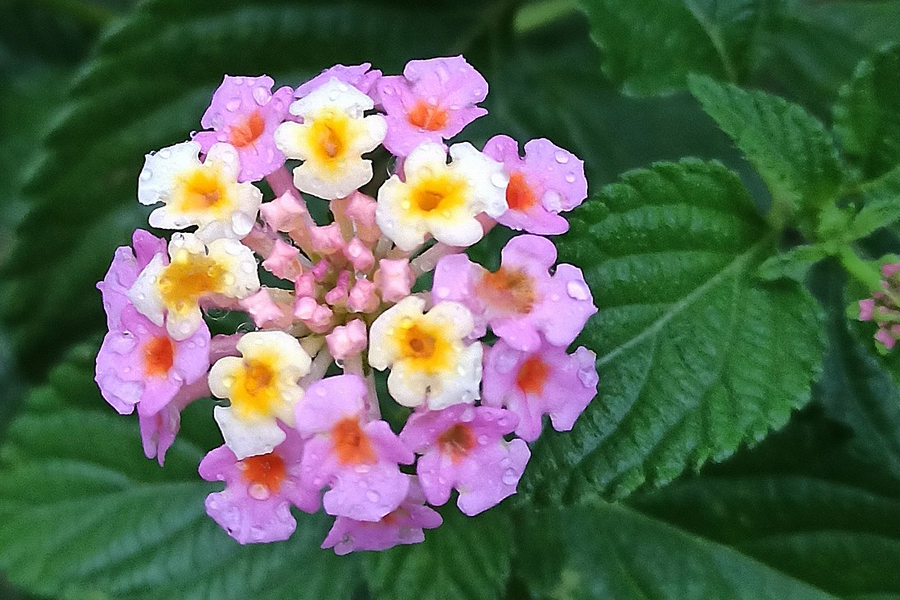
(232, 105)
(146, 175)
(373, 496)
(467, 415)
(561, 157)
(165, 153)
(552, 201)
(577, 290)
(483, 439)
(570, 178)
(258, 491)
(510, 477)
(499, 180)
(260, 95)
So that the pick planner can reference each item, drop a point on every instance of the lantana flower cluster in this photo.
(477, 360)
(883, 308)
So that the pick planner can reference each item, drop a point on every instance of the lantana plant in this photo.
(477, 360)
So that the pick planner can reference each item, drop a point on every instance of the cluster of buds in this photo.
(884, 308)
(300, 415)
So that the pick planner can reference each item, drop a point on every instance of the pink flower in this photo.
(127, 264)
(433, 101)
(533, 384)
(140, 363)
(546, 181)
(462, 447)
(521, 300)
(402, 526)
(358, 76)
(358, 459)
(259, 491)
(245, 113)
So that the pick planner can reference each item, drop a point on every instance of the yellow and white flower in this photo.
(331, 140)
(430, 363)
(206, 194)
(171, 293)
(262, 385)
(441, 199)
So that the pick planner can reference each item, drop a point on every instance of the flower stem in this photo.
(860, 269)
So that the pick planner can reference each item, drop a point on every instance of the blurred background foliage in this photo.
(87, 87)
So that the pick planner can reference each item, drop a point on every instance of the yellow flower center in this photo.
(202, 189)
(186, 279)
(424, 347)
(438, 195)
(329, 137)
(255, 387)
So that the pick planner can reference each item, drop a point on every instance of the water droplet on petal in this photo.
(552, 201)
(483, 439)
(510, 477)
(577, 290)
(499, 180)
(373, 496)
(570, 178)
(561, 157)
(258, 491)
(260, 95)
(232, 105)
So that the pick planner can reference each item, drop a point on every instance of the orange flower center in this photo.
(246, 132)
(519, 195)
(159, 354)
(532, 375)
(267, 470)
(510, 289)
(457, 441)
(428, 116)
(351, 444)
(203, 189)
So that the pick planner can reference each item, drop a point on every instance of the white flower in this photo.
(263, 389)
(330, 141)
(440, 199)
(170, 293)
(429, 361)
(205, 194)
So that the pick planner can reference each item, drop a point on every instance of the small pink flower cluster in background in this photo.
(342, 299)
(884, 309)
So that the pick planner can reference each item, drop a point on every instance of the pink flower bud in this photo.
(359, 255)
(305, 285)
(327, 240)
(394, 279)
(282, 261)
(361, 210)
(867, 309)
(362, 296)
(347, 340)
(338, 294)
(284, 213)
(264, 311)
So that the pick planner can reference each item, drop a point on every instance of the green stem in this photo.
(536, 15)
(80, 10)
(862, 271)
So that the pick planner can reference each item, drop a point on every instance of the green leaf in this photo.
(793, 264)
(466, 558)
(615, 553)
(867, 116)
(808, 50)
(880, 205)
(85, 515)
(146, 87)
(801, 503)
(695, 354)
(790, 148)
(856, 389)
(650, 46)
